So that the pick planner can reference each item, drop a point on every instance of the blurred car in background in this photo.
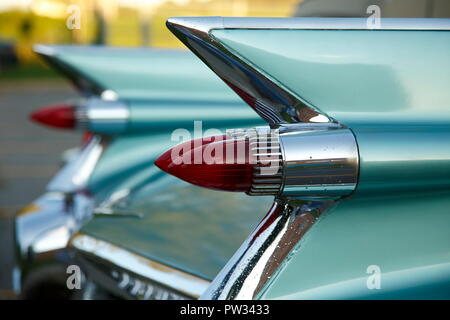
(133, 101)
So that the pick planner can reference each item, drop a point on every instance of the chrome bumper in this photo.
(132, 276)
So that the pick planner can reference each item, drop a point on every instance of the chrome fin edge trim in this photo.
(269, 100)
(206, 24)
(264, 252)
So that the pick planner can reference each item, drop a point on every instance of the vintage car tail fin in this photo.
(339, 95)
(84, 82)
(275, 164)
(131, 89)
(323, 69)
(136, 73)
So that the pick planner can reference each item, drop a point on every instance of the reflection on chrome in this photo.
(260, 256)
(47, 223)
(53, 240)
(75, 174)
(109, 95)
(162, 275)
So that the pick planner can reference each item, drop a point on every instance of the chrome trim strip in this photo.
(258, 259)
(183, 282)
(206, 24)
(318, 164)
(99, 115)
(273, 103)
(302, 161)
(101, 110)
(75, 174)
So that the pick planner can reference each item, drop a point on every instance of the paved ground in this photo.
(29, 156)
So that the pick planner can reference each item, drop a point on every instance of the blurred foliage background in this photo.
(109, 22)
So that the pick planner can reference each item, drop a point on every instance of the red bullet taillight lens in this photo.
(219, 163)
(61, 116)
(296, 161)
(235, 162)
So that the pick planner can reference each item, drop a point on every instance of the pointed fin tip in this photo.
(202, 24)
(44, 49)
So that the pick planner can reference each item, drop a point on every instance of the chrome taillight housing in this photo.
(93, 114)
(305, 161)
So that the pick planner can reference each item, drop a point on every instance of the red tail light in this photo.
(56, 116)
(220, 163)
(299, 162)
(239, 161)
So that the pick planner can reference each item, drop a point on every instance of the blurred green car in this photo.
(132, 101)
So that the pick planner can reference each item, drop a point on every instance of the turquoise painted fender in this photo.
(390, 87)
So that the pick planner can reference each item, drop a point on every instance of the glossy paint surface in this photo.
(400, 159)
(141, 73)
(407, 237)
(353, 70)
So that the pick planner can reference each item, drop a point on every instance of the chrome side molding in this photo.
(206, 24)
(75, 175)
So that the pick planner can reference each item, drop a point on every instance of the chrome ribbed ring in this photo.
(265, 153)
